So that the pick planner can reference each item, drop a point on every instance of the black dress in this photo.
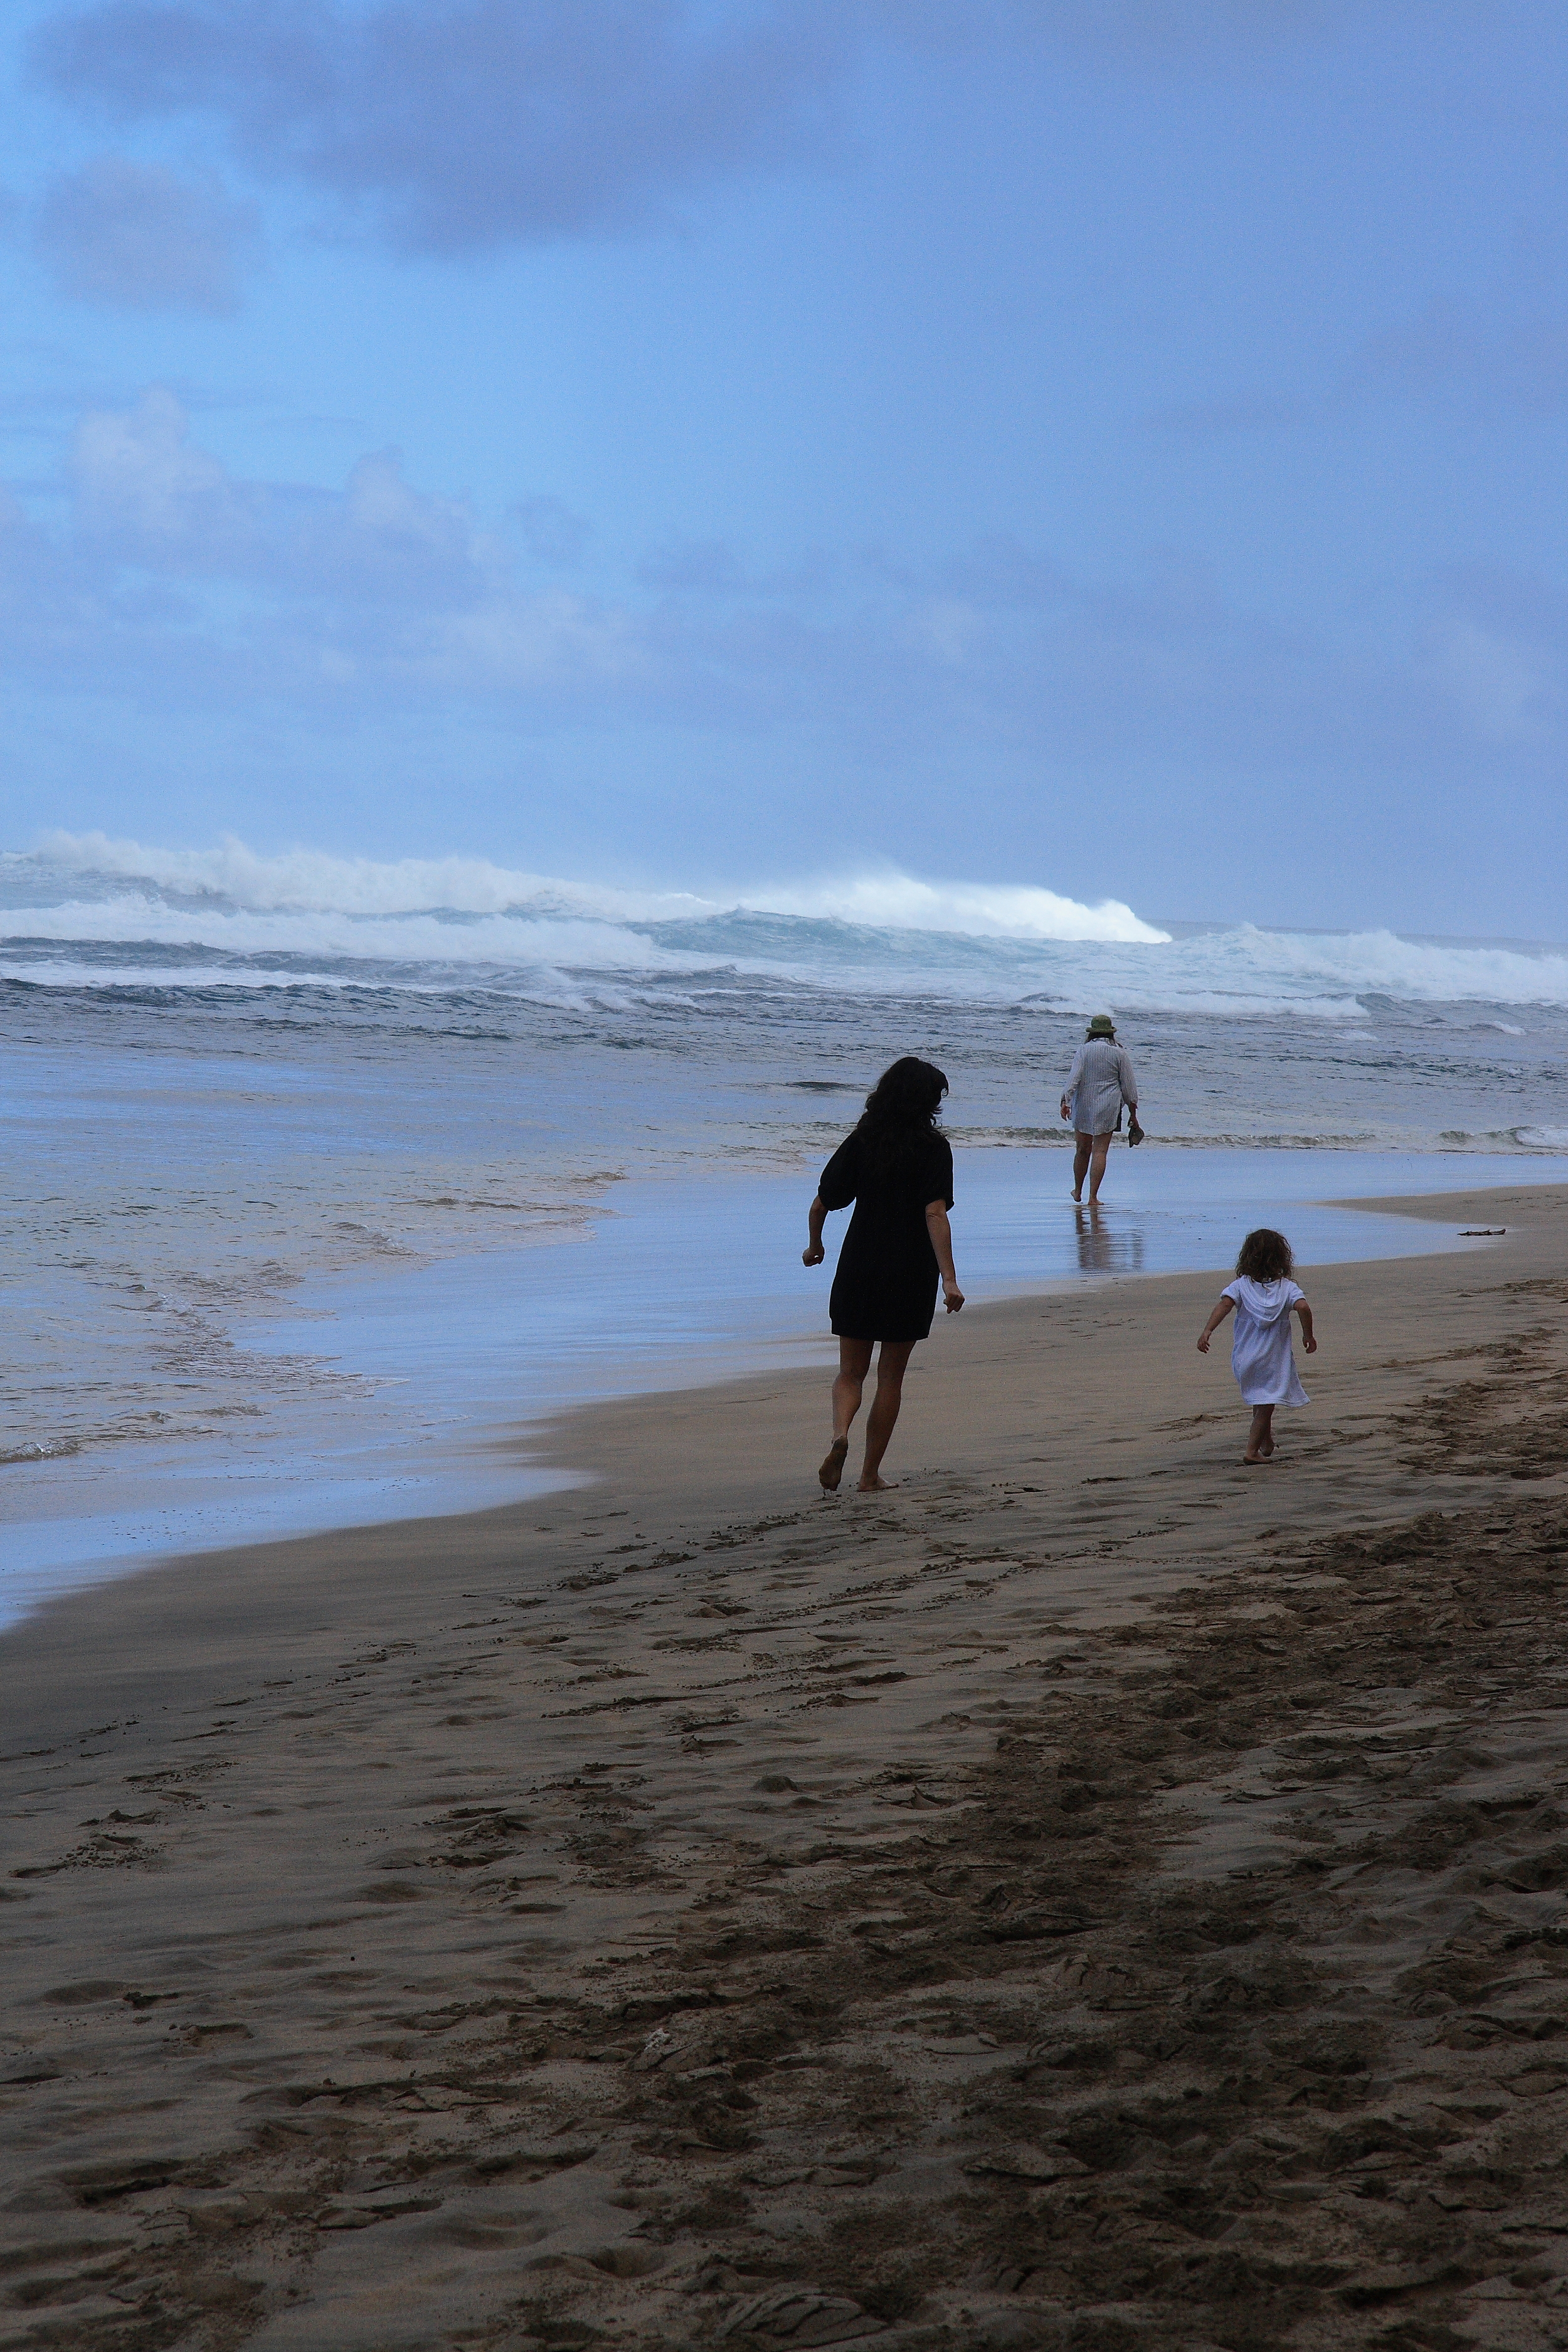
(885, 1284)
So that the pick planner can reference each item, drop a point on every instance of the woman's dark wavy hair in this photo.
(1265, 1256)
(901, 1108)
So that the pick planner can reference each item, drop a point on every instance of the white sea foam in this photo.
(431, 921)
(302, 880)
(975, 910)
(57, 973)
(308, 880)
(413, 939)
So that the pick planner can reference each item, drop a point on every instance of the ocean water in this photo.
(319, 1176)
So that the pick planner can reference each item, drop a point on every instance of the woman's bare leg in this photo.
(1097, 1167)
(890, 1368)
(1082, 1145)
(1260, 1436)
(854, 1363)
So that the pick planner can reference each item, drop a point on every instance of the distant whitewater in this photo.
(87, 912)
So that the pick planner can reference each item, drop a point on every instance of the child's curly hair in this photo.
(1265, 1256)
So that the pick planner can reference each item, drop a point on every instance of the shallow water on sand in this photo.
(397, 1390)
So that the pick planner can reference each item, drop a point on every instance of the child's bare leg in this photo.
(1260, 1436)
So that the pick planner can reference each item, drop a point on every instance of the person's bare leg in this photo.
(890, 1368)
(854, 1363)
(1081, 1147)
(1097, 1167)
(1260, 1436)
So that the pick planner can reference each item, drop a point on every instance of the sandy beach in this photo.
(1094, 1895)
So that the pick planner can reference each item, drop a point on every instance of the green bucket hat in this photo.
(1102, 1025)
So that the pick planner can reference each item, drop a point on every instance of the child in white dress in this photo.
(1264, 1298)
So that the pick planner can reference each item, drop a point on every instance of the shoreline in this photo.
(577, 1447)
(612, 1917)
(513, 1343)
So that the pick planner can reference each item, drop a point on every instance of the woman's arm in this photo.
(1299, 1307)
(1129, 1083)
(1222, 1307)
(940, 1233)
(813, 1253)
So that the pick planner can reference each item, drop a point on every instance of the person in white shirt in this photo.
(1100, 1081)
(1264, 1297)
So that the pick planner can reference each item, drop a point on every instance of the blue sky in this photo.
(1112, 445)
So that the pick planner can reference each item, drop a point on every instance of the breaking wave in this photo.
(90, 912)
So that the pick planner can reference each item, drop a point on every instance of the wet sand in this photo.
(1092, 1896)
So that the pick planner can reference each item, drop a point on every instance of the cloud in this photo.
(1221, 419)
(551, 533)
(713, 569)
(1498, 652)
(475, 122)
(1451, 350)
(447, 126)
(1448, 355)
(185, 585)
(147, 495)
(1501, 687)
(702, 567)
(1120, 32)
(180, 584)
(137, 237)
(138, 476)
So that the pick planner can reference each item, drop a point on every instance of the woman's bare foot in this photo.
(1255, 1461)
(832, 1466)
(1267, 1449)
(874, 1485)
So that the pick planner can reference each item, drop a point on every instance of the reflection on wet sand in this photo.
(1102, 1251)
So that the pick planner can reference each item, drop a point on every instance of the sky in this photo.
(1111, 446)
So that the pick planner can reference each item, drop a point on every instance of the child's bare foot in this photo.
(832, 1465)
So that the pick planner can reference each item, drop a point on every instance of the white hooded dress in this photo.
(1260, 1353)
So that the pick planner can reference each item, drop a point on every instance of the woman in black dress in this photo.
(897, 1168)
